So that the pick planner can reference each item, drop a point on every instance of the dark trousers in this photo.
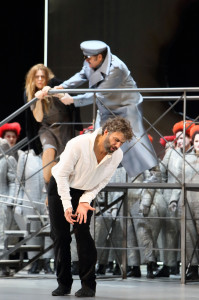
(61, 236)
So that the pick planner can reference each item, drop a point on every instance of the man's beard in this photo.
(108, 147)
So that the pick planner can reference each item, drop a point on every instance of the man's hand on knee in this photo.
(82, 210)
(69, 215)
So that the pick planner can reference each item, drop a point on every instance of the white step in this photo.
(36, 217)
(27, 247)
(16, 232)
(10, 261)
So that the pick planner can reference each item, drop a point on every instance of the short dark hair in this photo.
(119, 124)
(194, 135)
(104, 53)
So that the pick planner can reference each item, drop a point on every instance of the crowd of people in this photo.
(63, 174)
(154, 214)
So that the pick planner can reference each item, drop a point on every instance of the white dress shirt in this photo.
(78, 168)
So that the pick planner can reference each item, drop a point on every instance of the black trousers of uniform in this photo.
(61, 236)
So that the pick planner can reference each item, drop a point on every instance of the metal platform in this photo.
(31, 287)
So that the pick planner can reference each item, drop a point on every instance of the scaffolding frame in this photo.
(125, 186)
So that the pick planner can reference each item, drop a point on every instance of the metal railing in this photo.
(182, 96)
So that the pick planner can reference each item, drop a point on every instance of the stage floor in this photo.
(39, 287)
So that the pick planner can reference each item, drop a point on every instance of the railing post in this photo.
(124, 241)
(183, 195)
(94, 111)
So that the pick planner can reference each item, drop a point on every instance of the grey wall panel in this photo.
(146, 35)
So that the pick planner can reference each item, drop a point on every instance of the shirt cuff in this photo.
(87, 197)
(78, 100)
(66, 204)
(63, 85)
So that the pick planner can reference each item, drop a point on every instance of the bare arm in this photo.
(38, 109)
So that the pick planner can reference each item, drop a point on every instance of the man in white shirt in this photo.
(85, 167)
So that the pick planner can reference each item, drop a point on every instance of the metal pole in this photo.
(17, 112)
(124, 241)
(121, 90)
(94, 111)
(183, 194)
(46, 34)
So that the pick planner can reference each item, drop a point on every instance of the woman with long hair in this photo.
(49, 115)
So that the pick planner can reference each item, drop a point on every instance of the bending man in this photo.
(85, 167)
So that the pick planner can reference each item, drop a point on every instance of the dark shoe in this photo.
(47, 267)
(163, 272)
(85, 292)
(116, 270)
(110, 267)
(35, 269)
(150, 269)
(128, 269)
(61, 291)
(75, 268)
(155, 266)
(134, 272)
(192, 273)
(101, 270)
(175, 270)
(6, 271)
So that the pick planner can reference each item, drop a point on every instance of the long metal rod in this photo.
(46, 33)
(170, 98)
(183, 194)
(17, 146)
(142, 248)
(143, 90)
(150, 185)
(18, 111)
(124, 238)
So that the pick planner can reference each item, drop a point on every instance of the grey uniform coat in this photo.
(144, 232)
(8, 166)
(192, 211)
(113, 73)
(171, 229)
(29, 172)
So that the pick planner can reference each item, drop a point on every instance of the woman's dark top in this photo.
(33, 127)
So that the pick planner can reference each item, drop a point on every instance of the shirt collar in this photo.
(93, 137)
(105, 66)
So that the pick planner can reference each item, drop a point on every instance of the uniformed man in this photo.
(104, 70)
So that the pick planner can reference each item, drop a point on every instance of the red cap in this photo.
(10, 127)
(85, 130)
(167, 138)
(179, 127)
(193, 130)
